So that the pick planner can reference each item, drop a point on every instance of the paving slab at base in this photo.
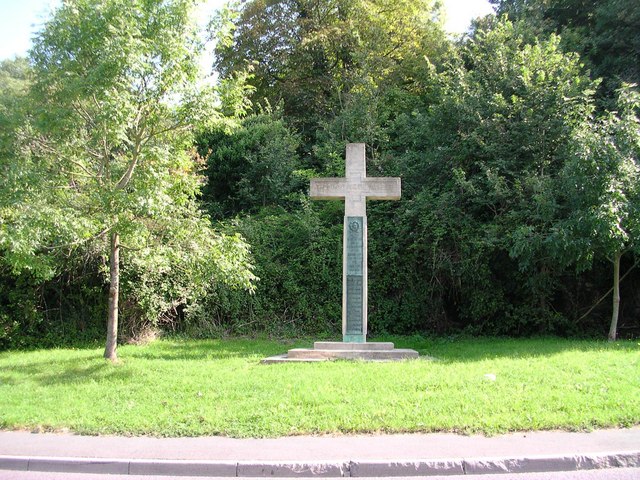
(395, 354)
(284, 358)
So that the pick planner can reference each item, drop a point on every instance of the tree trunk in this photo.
(613, 330)
(114, 293)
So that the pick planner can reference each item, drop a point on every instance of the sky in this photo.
(20, 19)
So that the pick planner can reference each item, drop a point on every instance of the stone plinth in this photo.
(322, 351)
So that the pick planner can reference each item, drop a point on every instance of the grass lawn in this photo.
(218, 387)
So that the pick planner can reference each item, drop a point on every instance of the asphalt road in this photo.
(610, 474)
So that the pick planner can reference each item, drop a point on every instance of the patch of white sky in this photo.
(20, 20)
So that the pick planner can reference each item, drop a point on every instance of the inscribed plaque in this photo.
(354, 287)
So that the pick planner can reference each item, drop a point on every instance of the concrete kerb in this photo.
(407, 468)
(183, 468)
(293, 469)
(334, 469)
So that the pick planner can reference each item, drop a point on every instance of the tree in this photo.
(312, 53)
(605, 33)
(115, 100)
(601, 185)
(481, 161)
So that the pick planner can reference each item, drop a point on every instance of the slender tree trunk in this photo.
(613, 330)
(114, 293)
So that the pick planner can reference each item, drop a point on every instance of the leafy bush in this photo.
(298, 260)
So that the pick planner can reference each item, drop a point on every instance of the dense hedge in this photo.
(520, 177)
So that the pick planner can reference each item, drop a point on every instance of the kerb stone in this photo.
(13, 463)
(79, 465)
(408, 468)
(183, 468)
(519, 465)
(292, 469)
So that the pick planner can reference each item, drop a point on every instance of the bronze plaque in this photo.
(354, 261)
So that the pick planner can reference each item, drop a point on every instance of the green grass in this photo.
(217, 387)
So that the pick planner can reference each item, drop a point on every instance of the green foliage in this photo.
(14, 82)
(606, 33)
(311, 54)
(297, 259)
(482, 176)
(601, 184)
(518, 185)
(483, 141)
(250, 167)
(106, 150)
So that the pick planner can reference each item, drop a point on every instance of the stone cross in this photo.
(355, 189)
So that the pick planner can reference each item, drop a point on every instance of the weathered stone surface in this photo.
(353, 346)
(519, 465)
(183, 468)
(14, 463)
(79, 465)
(382, 188)
(292, 469)
(552, 463)
(407, 468)
(328, 189)
(355, 285)
(284, 358)
(618, 460)
(367, 466)
(352, 354)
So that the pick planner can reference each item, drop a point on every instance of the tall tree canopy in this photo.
(605, 33)
(311, 53)
(114, 102)
(600, 184)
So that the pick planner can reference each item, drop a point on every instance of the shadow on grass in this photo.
(54, 372)
(64, 367)
(479, 349)
(193, 350)
(444, 349)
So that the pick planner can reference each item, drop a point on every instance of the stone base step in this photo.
(352, 346)
(322, 351)
(395, 354)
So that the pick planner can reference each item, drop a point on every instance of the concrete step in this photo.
(352, 346)
(322, 351)
(352, 354)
